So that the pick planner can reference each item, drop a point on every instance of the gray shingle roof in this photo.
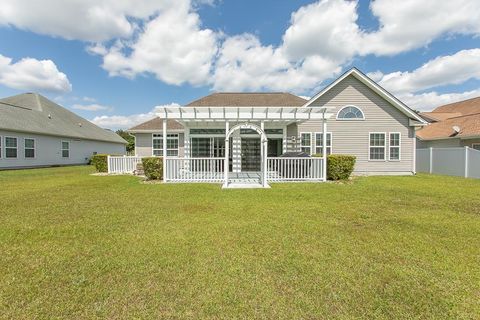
(31, 112)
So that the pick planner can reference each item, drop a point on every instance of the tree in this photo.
(130, 139)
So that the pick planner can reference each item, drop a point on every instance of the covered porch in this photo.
(241, 146)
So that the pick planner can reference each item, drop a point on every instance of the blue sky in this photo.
(113, 62)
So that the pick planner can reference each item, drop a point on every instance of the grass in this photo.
(75, 246)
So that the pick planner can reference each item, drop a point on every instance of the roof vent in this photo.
(456, 129)
(49, 116)
(80, 124)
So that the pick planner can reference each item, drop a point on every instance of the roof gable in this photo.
(31, 112)
(375, 88)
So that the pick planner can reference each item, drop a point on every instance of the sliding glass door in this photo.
(204, 147)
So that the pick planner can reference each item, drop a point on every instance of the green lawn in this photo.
(76, 246)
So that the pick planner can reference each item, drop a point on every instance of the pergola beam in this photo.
(244, 113)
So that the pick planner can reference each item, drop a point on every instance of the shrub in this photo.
(153, 168)
(340, 166)
(100, 162)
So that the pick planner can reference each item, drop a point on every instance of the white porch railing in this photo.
(295, 169)
(193, 169)
(122, 164)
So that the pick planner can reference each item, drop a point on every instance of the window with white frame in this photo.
(394, 146)
(172, 144)
(11, 146)
(29, 147)
(377, 145)
(319, 143)
(65, 149)
(350, 113)
(476, 146)
(306, 142)
(1, 144)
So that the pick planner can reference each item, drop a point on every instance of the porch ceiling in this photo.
(291, 114)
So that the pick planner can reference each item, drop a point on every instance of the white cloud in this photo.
(325, 35)
(443, 70)
(166, 38)
(326, 28)
(92, 107)
(172, 46)
(33, 75)
(87, 20)
(244, 64)
(430, 100)
(124, 122)
(89, 99)
(411, 24)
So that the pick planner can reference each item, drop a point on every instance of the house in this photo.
(251, 132)
(452, 125)
(36, 132)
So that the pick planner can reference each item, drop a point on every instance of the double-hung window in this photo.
(65, 149)
(377, 146)
(172, 144)
(29, 147)
(306, 142)
(319, 143)
(394, 146)
(11, 146)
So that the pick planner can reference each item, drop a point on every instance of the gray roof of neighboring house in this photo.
(31, 112)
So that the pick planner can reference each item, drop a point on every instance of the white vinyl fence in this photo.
(295, 169)
(462, 162)
(122, 164)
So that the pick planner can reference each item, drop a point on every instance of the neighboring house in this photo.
(362, 119)
(35, 132)
(452, 125)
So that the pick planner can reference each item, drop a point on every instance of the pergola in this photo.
(245, 118)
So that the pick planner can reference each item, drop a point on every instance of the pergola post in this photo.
(164, 153)
(226, 163)
(264, 155)
(324, 148)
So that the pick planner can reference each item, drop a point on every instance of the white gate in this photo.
(122, 164)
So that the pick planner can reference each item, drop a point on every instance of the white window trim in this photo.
(399, 147)
(315, 142)
(350, 119)
(62, 149)
(5, 148)
(311, 142)
(34, 148)
(384, 147)
(177, 137)
(1, 147)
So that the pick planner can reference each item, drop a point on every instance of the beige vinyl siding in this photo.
(447, 143)
(143, 144)
(444, 143)
(352, 137)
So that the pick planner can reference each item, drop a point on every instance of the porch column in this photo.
(324, 148)
(164, 154)
(227, 151)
